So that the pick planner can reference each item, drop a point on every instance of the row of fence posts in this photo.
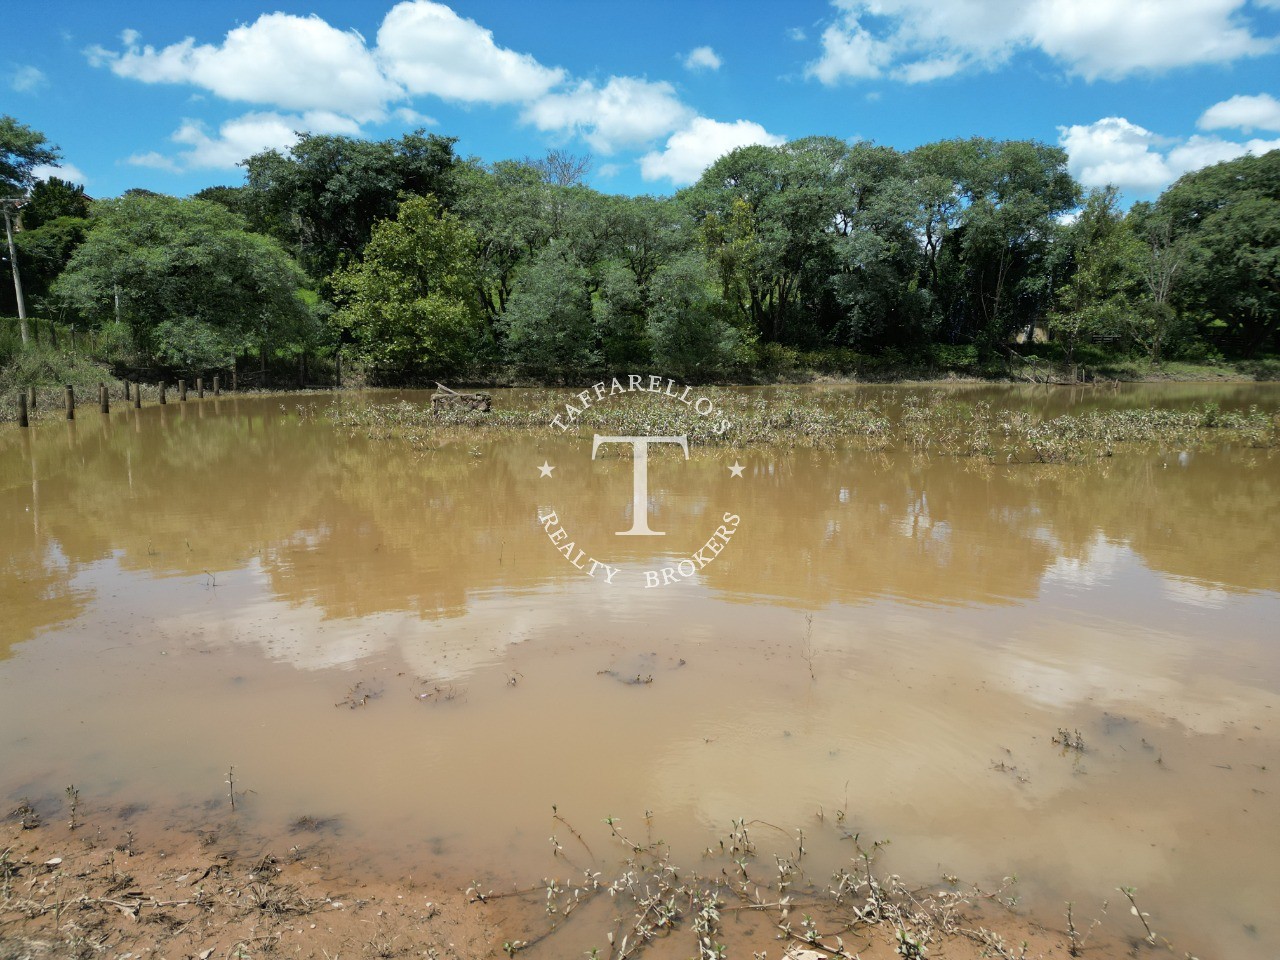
(27, 400)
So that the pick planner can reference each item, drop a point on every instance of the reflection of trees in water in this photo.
(359, 527)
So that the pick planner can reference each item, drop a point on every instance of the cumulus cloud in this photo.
(625, 112)
(431, 50)
(920, 40)
(290, 62)
(1114, 151)
(1261, 112)
(239, 138)
(690, 151)
(304, 63)
(308, 75)
(27, 79)
(702, 58)
(63, 171)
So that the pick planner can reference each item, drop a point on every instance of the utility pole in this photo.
(9, 205)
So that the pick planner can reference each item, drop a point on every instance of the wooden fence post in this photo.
(104, 398)
(22, 410)
(200, 387)
(163, 399)
(217, 386)
(137, 395)
(71, 402)
(182, 390)
(126, 391)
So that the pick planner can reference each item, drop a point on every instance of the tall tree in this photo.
(549, 327)
(186, 279)
(53, 198)
(766, 215)
(22, 149)
(992, 269)
(1106, 278)
(324, 194)
(1226, 218)
(410, 304)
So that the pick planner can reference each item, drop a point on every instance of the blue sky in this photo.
(170, 95)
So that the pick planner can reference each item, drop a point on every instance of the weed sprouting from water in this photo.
(73, 802)
(806, 647)
(1130, 894)
(360, 695)
(652, 897)
(1069, 740)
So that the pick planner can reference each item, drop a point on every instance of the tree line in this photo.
(416, 264)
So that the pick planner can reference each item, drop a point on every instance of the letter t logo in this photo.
(640, 478)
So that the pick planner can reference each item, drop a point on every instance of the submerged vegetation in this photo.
(918, 422)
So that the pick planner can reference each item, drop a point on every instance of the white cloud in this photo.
(797, 34)
(413, 117)
(921, 40)
(154, 160)
(239, 138)
(1113, 151)
(625, 112)
(431, 50)
(690, 151)
(1261, 112)
(27, 79)
(850, 52)
(702, 58)
(63, 171)
(294, 63)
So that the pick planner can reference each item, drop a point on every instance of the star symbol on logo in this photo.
(545, 469)
(736, 470)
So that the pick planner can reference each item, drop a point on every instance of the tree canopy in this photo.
(432, 266)
(185, 279)
(22, 149)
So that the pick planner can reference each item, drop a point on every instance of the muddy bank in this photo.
(123, 882)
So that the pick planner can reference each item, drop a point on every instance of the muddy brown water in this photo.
(386, 635)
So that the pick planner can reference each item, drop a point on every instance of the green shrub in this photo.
(955, 357)
(44, 368)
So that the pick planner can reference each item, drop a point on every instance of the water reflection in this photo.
(214, 579)
(356, 527)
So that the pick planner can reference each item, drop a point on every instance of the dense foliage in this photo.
(419, 265)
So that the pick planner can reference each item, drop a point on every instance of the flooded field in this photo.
(1066, 672)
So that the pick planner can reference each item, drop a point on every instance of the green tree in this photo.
(688, 323)
(1106, 285)
(53, 198)
(550, 332)
(992, 231)
(1226, 218)
(186, 279)
(22, 149)
(410, 304)
(43, 253)
(323, 196)
(766, 216)
(509, 210)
